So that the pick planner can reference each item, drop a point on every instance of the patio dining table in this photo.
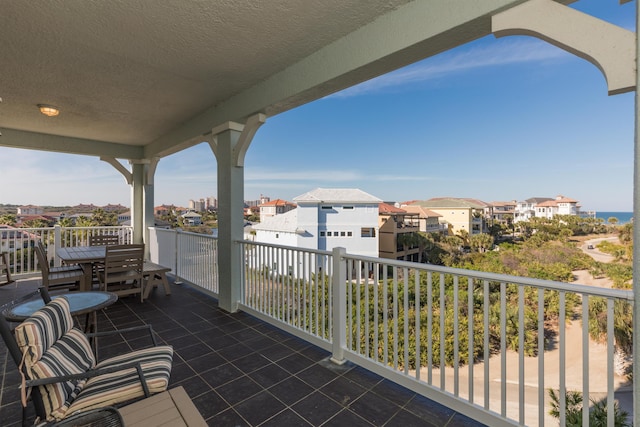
(85, 256)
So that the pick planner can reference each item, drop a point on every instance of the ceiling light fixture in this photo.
(48, 110)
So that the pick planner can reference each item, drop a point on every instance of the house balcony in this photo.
(303, 350)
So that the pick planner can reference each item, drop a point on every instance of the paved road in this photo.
(595, 252)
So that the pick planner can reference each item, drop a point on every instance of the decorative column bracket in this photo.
(607, 46)
(247, 132)
(128, 176)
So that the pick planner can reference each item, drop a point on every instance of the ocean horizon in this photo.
(623, 217)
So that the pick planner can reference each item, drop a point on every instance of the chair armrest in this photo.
(87, 374)
(121, 331)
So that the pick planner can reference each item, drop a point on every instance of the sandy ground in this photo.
(573, 368)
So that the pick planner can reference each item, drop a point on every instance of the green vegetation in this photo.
(597, 412)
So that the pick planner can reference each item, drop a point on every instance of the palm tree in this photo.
(8, 219)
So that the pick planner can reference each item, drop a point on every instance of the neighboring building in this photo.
(324, 219)
(29, 210)
(12, 239)
(114, 208)
(211, 204)
(560, 206)
(84, 208)
(256, 203)
(545, 207)
(428, 220)
(191, 218)
(275, 207)
(394, 223)
(197, 205)
(124, 217)
(502, 211)
(251, 211)
(459, 214)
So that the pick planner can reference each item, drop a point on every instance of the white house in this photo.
(324, 219)
(526, 210)
(545, 207)
(192, 218)
(560, 206)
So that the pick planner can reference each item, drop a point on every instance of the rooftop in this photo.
(240, 371)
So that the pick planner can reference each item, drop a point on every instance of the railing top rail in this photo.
(496, 277)
(271, 245)
(179, 231)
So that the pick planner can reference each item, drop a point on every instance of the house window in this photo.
(322, 233)
(347, 207)
(367, 232)
(349, 233)
(326, 207)
(342, 234)
(277, 236)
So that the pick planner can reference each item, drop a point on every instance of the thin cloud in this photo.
(495, 54)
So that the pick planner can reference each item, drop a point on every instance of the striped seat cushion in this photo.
(40, 331)
(120, 386)
(45, 357)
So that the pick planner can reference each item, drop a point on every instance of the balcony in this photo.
(241, 371)
(326, 330)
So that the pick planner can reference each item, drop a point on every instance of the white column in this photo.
(137, 202)
(230, 220)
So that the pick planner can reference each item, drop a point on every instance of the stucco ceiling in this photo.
(137, 72)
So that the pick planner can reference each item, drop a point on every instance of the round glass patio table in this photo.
(79, 303)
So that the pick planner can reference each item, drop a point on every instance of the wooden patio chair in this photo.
(104, 240)
(123, 269)
(5, 273)
(58, 278)
(64, 383)
(59, 269)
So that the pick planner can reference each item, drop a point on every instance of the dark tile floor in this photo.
(240, 371)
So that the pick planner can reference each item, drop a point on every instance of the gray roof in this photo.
(336, 195)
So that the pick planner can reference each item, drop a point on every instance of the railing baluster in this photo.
(418, 325)
(456, 343)
(443, 313)
(541, 348)
(562, 340)
(429, 328)
(503, 349)
(521, 331)
(585, 359)
(487, 349)
(405, 289)
(471, 350)
(610, 362)
(395, 317)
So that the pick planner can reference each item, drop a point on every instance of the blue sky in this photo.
(495, 119)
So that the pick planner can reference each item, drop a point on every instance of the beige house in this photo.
(393, 224)
(459, 214)
(275, 207)
(428, 220)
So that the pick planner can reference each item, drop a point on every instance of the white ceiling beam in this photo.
(64, 144)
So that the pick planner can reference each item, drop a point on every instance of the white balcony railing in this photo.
(392, 316)
(18, 243)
